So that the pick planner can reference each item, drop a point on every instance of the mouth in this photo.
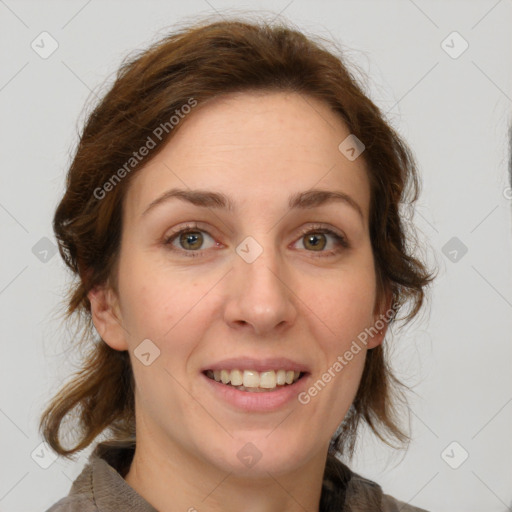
(253, 381)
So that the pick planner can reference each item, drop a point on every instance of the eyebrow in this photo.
(301, 200)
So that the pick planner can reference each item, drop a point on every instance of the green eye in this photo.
(194, 238)
(190, 241)
(317, 240)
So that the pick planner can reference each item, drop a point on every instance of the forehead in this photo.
(254, 147)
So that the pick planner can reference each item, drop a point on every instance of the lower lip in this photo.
(248, 401)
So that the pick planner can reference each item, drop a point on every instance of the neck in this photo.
(172, 480)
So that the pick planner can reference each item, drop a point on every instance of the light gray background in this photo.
(453, 112)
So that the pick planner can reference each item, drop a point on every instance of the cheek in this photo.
(340, 319)
(342, 307)
(157, 300)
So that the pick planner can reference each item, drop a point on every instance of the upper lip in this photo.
(259, 365)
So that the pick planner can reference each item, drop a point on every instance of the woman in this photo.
(232, 216)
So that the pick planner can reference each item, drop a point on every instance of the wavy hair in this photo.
(202, 61)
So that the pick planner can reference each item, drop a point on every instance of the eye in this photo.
(317, 240)
(189, 240)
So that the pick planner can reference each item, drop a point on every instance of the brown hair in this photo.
(202, 61)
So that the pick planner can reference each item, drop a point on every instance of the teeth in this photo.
(268, 380)
(251, 380)
(236, 378)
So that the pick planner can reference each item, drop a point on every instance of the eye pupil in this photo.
(195, 239)
(315, 241)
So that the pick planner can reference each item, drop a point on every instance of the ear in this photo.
(381, 321)
(107, 318)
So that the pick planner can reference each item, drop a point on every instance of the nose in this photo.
(260, 298)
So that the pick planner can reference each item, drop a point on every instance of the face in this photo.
(248, 275)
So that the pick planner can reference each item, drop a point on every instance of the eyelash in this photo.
(193, 227)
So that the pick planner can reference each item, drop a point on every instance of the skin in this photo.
(258, 148)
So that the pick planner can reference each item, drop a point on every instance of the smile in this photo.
(254, 381)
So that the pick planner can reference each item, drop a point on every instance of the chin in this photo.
(254, 455)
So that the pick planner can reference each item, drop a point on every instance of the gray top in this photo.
(100, 487)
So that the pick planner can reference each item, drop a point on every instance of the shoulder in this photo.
(390, 504)
(80, 497)
(366, 493)
(100, 487)
(362, 494)
(74, 504)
